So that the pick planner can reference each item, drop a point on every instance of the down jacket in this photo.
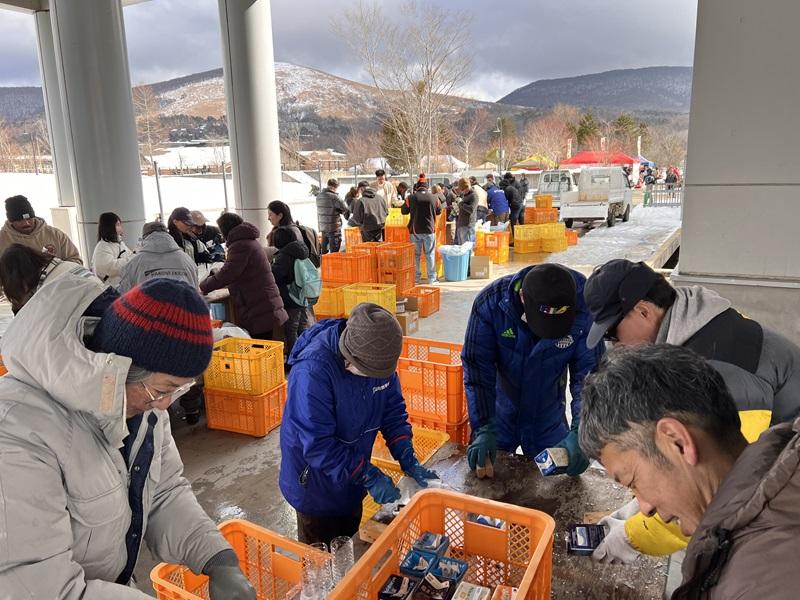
(746, 544)
(518, 380)
(248, 276)
(330, 208)
(330, 423)
(108, 260)
(42, 235)
(64, 512)
(159, 256)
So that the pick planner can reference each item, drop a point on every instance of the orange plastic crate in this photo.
(440, 228)
(403, 279)
(497, 239)
(272, 563)
(347, 267)
(544, 200)
(377, 293)
(352, 236)
(423, 268)
(519, 554)
(527, 246)
(3, 369)
(459, 433)
(558, 244)
(432, 380)
(245, 366)
(498, 255)
(429, 299)
(330, 303)
(572, 237)
(396, 233)
(543, 215)
(244, 413)
(372, 248)
(395, 255)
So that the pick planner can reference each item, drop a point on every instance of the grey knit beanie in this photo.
(372, 340)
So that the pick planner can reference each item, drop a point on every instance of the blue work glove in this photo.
(226, 580)
(404, 450)
(379, 485)
(578, 462)
(483, 446)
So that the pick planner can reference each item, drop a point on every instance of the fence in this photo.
(664, 194)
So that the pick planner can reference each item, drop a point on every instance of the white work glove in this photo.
(615, 547)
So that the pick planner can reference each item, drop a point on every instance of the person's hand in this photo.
(404, 452)
(615, 547)
(229, 583)
(482, 452)
(578, 462)
(50, 249)
(380, 486)
(421, 475)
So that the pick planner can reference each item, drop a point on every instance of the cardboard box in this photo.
(409, 321)
(480, 267)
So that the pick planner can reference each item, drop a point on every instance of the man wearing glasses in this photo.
(88, 467)
(24, 227)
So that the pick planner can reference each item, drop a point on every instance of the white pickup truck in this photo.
(561, 184)
(603, 193)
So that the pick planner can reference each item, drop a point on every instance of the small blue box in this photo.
(411, 567)
(450, 568)
(549, 464)
(432, 542)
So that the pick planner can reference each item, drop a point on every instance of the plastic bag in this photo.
(461, 250)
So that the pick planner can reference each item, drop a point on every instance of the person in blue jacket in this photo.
(343, 390)
(499, 209)
(525, 332)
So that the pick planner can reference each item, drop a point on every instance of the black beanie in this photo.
(18, 208)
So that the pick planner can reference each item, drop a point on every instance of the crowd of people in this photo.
(680, 397)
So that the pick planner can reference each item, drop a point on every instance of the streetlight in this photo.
(499, 129)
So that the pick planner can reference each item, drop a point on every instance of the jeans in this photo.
(465, 234)
(517, 217)
(331, 239)
(425, 244)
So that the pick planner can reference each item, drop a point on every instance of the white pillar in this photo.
(742, 185)
(52, 109)
(94, 81)
(249, 66)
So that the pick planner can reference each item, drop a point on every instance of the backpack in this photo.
(312, 243)
(307, 284)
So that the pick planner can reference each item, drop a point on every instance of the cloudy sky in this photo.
(514, 41)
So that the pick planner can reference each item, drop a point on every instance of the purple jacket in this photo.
(248, 276)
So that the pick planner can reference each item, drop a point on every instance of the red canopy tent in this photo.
(588, 157)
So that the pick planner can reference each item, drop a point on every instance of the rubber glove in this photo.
(404, 450)
(616, 547)
(226, 580)
(578, 462)
(483, 449)
(379, 485)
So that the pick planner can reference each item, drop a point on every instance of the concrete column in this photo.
(249, 67)
(94, 81)
(53, 110)
(741, 210)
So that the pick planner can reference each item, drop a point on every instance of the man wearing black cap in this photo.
(524, 333)
(24, 227)
(632, 304)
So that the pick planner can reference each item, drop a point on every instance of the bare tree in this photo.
(9, 150)
(151, 131)
(667, 147)
(547, 137)
(465, 131)
(360, 146)
(416, 56)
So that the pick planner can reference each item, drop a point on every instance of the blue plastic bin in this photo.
(456, 261)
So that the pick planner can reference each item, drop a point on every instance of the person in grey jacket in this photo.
(330, 209)
(89, 467)
(632, 304)
(159, 256)
(369, 213)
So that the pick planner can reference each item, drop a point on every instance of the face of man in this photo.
(677, 490)
(157, 391)
(183, 227)
(639, 326)
(381, 179)
(25, 226)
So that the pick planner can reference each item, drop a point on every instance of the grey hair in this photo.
(635, 387)
(137, 374)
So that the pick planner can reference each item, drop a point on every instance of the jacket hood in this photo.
(295, 249)
(44, 348)
(694, 307)
(368, 193)
(159, 242)
(24, 236)
(320, 342)
(245, 231)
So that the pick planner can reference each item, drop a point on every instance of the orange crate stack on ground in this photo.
(244, 413)
(395, 255)
(272, 563)
(428, 297)
(459, 433)
(245, 366)
(519, 554)
(544, 200)
(331, 302)
(572, 237)
(352, 236)
(495, 245)
(527, 246)
(347, 267)
(372, 249)
(542, 215)
(396, 233)
(403, 279)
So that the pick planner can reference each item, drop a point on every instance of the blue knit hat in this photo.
(162, 325)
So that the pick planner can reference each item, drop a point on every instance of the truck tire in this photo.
(627, 214)
(568, 223)
(611, 218)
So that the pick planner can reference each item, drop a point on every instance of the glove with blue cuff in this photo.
(578, 462)
(482, 449)
(404, 450)
(379, 485)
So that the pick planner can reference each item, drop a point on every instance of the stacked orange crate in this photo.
(495, 246)
(347, 267)
(372, 249)
(352, 236)
(540, 216)
(396, 233)
(396, 265)
(428, 299)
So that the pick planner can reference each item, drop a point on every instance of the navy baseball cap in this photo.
(612, 291)
(550, 295)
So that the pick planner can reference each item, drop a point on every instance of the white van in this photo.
(561, 184)
(603, 193)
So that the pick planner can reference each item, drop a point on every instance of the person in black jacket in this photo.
(369, 213)
(290, 249)
(208, 235)
(515, 202)
(330, 209)
(423, 206)
(467, 212)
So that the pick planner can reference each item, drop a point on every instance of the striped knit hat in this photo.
(162, 325)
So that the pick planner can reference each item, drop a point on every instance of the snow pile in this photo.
(193, 157)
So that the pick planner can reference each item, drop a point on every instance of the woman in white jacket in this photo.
(110, 253)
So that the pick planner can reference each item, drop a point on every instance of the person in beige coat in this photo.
(24, 227)
(88, 466)
(662, 422)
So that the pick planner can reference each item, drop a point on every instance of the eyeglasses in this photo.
(174, 394)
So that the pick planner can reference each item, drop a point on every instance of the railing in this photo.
(663, 194)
